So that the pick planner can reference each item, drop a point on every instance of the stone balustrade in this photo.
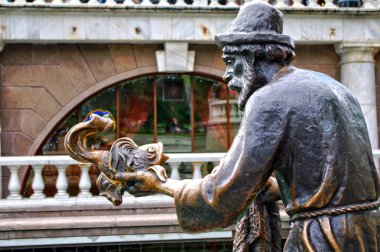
(62, 220)
(218, 111)
(175, 3)
(90, 219)
(61, 162)
(47, 24)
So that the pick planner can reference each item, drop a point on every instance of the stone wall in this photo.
(41, 84)
(39, 81)
(320, 58)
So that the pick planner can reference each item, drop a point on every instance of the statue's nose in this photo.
(227, 77)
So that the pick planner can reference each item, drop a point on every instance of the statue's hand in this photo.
(143, 183)
(271, 191)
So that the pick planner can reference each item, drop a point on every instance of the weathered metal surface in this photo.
(124, 155)
(305, 127)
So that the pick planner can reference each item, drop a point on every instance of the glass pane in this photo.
(235, 114)
(136, 110)
(104, 102)
(173, 113)
(54, 145)
(210, 118)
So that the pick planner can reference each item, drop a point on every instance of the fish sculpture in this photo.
(123, 156)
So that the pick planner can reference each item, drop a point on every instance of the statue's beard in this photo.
(248, 83)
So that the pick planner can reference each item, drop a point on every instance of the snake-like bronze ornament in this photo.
(124, 155)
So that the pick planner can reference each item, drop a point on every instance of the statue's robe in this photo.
(308, 129)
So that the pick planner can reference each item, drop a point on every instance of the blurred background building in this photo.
(154, 66)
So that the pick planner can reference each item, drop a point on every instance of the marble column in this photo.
(1, 171)
(357, 72)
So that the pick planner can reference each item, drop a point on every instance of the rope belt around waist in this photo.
(336, 211)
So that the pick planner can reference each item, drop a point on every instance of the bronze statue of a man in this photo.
(302, 125)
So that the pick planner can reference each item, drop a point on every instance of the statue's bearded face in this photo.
(241, 76)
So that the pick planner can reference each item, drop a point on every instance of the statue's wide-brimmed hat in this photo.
(256, 23)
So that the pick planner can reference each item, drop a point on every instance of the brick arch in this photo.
(98, 87)
(42, 84)
(135, 73)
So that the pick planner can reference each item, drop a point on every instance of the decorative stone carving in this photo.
(175, 58)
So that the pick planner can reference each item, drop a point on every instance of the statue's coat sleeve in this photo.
(218, 199)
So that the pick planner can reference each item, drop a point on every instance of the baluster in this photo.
(175, 173)
(85, 182)
(281, 3)
(42, 2)
(369, 4)
(20, 2)
(200, 3)
(74, 2)
(14, 185)
(330, 4)
(214, 3)
(128, 3)
(180, 3)
(61, 183)
(38, 184)
(236, 111)
(146, 3)
(163, 3)
(231, 3)
(93, 2)
(232, 111)
(255, 1)
(197, 174)
(212, 111)
(314, 4)
(56, 2)
(298, 4)
(1, 183)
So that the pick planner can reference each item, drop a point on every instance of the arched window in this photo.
(187, 113)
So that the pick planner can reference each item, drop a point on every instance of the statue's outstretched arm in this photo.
(150, 182)
(220, 198)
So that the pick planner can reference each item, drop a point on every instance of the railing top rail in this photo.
(66, 160)
(195, 157)
(37, 160)
(376, 153)
(368, 6)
